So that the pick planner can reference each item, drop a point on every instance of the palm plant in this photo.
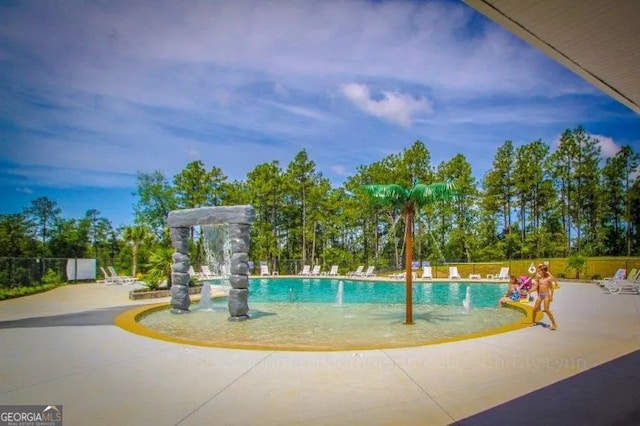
(409, 202)
(136, 236)
(159, 265)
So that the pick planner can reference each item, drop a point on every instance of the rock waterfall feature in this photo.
(239, 220)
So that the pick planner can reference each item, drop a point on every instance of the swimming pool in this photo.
(318, 290)
(322, 314)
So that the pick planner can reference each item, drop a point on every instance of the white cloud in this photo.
(110, 52)
(339, 170)
(609, 148)
(235, 83)
(24, 190)
(398, 108)
(298, 110)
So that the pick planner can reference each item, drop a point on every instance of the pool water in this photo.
(303, 314)
(326, 290)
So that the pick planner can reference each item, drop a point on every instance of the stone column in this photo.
(239, 278)
(180, 301)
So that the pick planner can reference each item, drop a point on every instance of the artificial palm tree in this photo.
(409, 202)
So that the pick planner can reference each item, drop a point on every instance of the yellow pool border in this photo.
(128, 320)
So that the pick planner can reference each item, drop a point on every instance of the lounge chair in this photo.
(398, 275)
(504, 273)
(120, 279)
(193, 274)
(403, 275)
(427, 273)
(305, 270)
(453, 273)
(206, 273)
(264, 269)
(333, 272)
(369, 272)
(108, 278)
(620, 274)
(357, 272)
(315, 271)
(624, 286)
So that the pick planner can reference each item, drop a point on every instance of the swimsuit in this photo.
(515, 296)
(543, 294)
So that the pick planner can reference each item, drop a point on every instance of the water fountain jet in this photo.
(466, 303)
(340, 293)
(205, 298)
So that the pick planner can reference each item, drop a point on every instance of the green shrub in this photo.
(11, 293)
(577, 263)
(152, 280)
(50, 277)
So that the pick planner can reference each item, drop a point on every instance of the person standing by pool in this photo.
(544, 284)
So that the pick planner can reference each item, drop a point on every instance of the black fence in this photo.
(593, 269)
(27, 271)
(18, 272)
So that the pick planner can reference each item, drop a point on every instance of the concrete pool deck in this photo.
(61, 347)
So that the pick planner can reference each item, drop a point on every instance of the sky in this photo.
(94, 92)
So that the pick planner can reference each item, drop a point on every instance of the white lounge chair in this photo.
(108, 278)
(357, 272)
(504, 273)
(620, 274)
(333, 272)
(369, 272)
(453, 273)
(403, 275)
(193, 274)
(120, 279)
(305, 270)
(206, 273)
(398, 275)
(624, 286)
(427, 273)
(264, 269)
(315, 271)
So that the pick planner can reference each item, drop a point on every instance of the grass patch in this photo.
(12, 293)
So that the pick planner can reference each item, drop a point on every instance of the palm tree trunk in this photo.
(134, 260)
(408, 259)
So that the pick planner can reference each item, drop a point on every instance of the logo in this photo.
(30, 415)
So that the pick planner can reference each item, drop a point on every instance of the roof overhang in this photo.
(598, 40)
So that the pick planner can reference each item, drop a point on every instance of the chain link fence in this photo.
(593, 268)
(21, 271)
(18, 272)
(30, 271)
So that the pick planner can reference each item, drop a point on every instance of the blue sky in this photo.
(93, 92)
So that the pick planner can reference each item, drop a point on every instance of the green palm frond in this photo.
(390, 194)
(423, 194)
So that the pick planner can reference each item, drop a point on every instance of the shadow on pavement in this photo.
(608, 394)
(101, 316)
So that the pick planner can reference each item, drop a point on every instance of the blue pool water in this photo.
(301, 290)
(305, 314)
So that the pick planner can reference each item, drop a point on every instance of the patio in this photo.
(61, 347)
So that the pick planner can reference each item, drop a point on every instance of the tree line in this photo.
(532, 203)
